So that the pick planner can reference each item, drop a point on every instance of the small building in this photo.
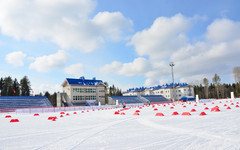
(167, 90)
(77, 92)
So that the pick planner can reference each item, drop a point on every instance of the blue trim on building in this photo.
(83, 81)
(165, 86)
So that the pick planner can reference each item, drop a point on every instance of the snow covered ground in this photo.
(102, 129)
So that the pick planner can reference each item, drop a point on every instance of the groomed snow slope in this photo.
(102, 129)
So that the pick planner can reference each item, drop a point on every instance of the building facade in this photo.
(179, 90)
(79, 91)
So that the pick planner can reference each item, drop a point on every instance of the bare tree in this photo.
(236, 73)
(216, 80)
(222, 90)
(205, 82)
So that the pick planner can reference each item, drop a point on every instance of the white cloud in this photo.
(162, 38)
(42, 88)
(110, 24)
(223, 30)
(50, 62)
(150, 82)
(217, 53)
(15, 58)
(75, 69)
(63, 22)
(138, 67)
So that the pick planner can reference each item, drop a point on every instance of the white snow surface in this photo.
(103, 130)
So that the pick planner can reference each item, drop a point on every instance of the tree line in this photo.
(217, 90)
(10, 87)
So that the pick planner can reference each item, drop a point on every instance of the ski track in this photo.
(73, 144)
(165, 133)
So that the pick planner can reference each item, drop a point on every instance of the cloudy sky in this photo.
(128, 43)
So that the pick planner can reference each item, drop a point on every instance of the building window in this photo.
(90, 90)
(77, 98)
(78, 90)
(91, 97)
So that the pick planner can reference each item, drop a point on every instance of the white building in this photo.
(167, 91)
(79, 91)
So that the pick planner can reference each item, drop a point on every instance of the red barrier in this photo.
(36, 115)
(116, 113)
(159, 114)
(136, 114)
(8, 116)
(186, 114)
(215, 109)
(203, 114)
(175, 113)
(193, 110)
(122, 113)
(14, 120)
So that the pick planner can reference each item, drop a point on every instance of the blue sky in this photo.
(128, 43)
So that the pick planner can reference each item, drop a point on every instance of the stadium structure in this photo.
(81, 92)
(140, 99)
(168, 91)
(10, 103)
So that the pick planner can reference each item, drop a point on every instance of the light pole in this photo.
(171, 65)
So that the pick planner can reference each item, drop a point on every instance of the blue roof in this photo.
(165, 86)
(83, 81)
(189, 98)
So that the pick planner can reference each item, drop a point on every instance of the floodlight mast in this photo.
(171, 64)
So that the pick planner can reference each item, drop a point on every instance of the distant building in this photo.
(77, 92)
(180, 90)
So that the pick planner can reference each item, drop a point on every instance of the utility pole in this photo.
(171, 64)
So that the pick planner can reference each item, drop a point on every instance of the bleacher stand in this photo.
(127, 99)
(14, 102)
(155, 99)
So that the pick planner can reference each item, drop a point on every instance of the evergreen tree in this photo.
(47, 94)
(1, 85)
(53, 99)
(25, 86)
(16, 88)
(7, 87)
